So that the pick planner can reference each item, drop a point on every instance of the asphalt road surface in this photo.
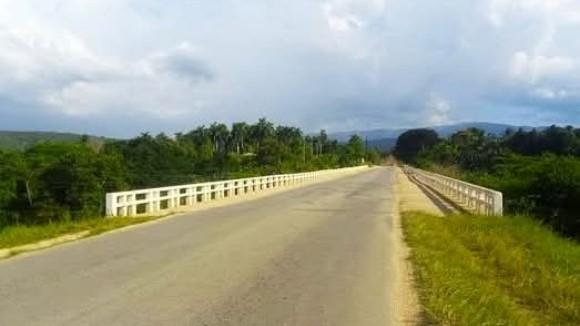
(315, 255)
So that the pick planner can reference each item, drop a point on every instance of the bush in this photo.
(547, 186)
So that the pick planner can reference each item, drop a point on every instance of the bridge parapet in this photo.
(158, 201)
(474, 198)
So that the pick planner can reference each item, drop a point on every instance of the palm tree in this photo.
(261, 131)
(219, 134)
(239, 134)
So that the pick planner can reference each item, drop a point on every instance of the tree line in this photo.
(56, 181)
(537, 170)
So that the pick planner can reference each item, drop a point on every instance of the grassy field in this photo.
(13, 236)
(493, 271)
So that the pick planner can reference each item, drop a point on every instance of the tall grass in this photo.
(494, 271)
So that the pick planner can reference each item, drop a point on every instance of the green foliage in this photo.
(493, 271)
(556, 140)
(217, 152)
(67, 181)
(56, 181)
(412, 142)
(545, 181)
(373, 156)
(157, 161)
(547, 186)
(354, 151)
(469, 149)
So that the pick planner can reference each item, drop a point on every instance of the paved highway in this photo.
(317, 255)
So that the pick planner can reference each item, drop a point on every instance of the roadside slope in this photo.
(482, 270)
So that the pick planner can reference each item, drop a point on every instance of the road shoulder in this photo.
(409, 197)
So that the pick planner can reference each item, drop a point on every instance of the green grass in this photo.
(13, 236)
(493, 271)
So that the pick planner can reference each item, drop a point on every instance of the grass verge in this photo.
(493, 271)
(14, 236)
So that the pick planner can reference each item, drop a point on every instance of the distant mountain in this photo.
(443, 131)
(24, 139)
(489, 128)
(383, 144)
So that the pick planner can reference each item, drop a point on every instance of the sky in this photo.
(122, 67)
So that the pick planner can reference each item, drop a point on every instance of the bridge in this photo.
(322, 248)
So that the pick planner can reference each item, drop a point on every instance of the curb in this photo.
(7, 252)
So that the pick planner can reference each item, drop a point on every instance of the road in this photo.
(321, 254)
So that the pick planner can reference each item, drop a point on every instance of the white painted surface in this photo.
(157, 201)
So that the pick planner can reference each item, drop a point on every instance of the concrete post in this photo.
(157, 202)
(176, 202)
(189, 200)
(149, 206)
(124, 211)
(498, 204)
(111, 205)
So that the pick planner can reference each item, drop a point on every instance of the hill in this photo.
(443, 131)
(383, 144)
(21, 140)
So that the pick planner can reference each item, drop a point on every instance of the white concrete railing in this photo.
(157, 201)
(474, 198)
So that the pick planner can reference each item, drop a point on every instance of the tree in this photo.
(57, 181)
(78, 181)
(8, 186)
(239, 136)
(353, 152)
(261, 131)
(373, 156)
(412, 142)
(219, 133)
(477, 151)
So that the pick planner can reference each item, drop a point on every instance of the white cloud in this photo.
(341, 22)
(534, 69)
(557, 11)
(350, 15)
(550, 94)
(162, 85)
(339, 63)
(52, 67)
(161, 99)
(36, 56)
(437, 110)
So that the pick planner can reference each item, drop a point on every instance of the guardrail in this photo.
(474, 198)
(157, 201)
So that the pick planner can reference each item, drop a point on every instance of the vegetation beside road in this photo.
(493, 271)
(62, 183)
(18, 235)
(538, 171)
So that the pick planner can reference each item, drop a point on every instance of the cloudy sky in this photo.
(119, 67)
